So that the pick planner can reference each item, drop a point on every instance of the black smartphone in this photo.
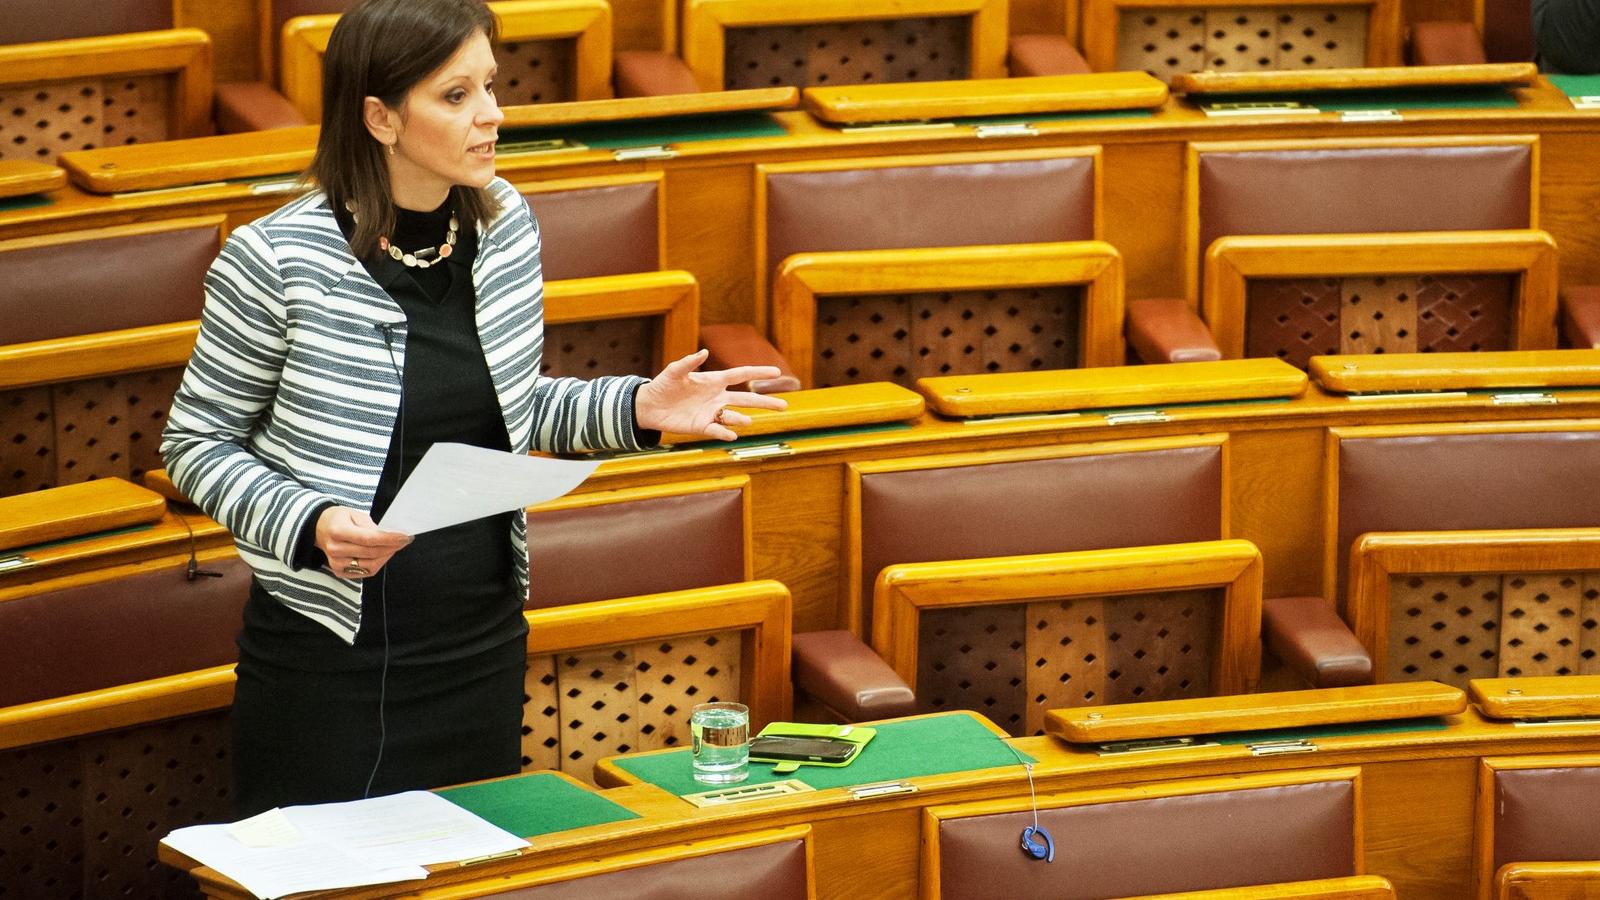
(805, 749)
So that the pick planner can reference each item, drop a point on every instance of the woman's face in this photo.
(446, 129)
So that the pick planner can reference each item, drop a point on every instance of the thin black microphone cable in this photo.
(387, 330)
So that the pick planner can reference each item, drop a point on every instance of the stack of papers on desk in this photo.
(339, 845)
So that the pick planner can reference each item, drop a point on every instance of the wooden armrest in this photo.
(1446, 44)
(1557, 696)
(20, 177)
(1254, 712)
(1110, 387)
(1168, 331)
(1310, 638)
(75, 509)
(739, 344)
(862, 103)
(651, 73)
(244, 106)
(843, 674)
(845, 406)
(1044, 54)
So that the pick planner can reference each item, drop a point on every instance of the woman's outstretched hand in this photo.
(685, 401)
(355, 546)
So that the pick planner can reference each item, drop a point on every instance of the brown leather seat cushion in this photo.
(609, 230)
(83, 287)
(1546, 815)
(947, 205)
(1465, 481)
(120, 631)
(24, 22)
(769, 872)
(1357, 189)
(1086, 502)
(637, 547)
(1197, 842)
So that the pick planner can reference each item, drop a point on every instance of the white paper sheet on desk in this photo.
(457, 483)
(376, 841)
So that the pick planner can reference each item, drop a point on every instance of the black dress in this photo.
(434, 680)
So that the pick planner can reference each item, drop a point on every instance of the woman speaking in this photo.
(397, 305)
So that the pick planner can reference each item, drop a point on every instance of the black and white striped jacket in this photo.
(291, 395)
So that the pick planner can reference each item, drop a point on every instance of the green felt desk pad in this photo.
(653, 132)
(909, 748)
(536, 803)
(24, 201)
(1393, 98)
(1318, 732)
(1577, 85)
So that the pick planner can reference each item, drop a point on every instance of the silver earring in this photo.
(390, 148)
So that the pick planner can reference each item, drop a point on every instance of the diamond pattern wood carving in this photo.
(585, 705)
(42, 121)
(1171, 41)
(1012, 662)
(1453, 628)
(891, 51)
(536, 72)
(604, 347)
(903, 337)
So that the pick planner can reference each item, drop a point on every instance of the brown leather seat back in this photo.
(636, 547)
(121, 630)
(771, 872)
(1157, 845)
(599, 230)
(104, 283)
(1450, 482)
(1546, 815)
(1336, 190)
(1087, 502)
(26, 21)
(949, 204)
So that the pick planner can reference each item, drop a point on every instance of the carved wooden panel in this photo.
(1465, 312)
(42, 121)
(1066, 647)
(1378, 314)
(82, 818)
(903, 337)
(536, 72)
(1292, 319)
(1443, 628)
(27, 441)
(1170, 41)
(605, 347)
(541, 715)
(1161, 646)
(628, 698)
(1540, 624)
(917, 49)
(972, 657)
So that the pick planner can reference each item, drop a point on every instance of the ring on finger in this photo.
(721, 411)
(356, 570)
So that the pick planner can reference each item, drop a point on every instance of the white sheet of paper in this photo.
(457, 483)
(269, 829)
(276, 871)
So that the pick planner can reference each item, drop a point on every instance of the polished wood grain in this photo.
(1355, 887)
(20, 177)
(204, 160)
(586, 22)
(1371, 78)
(1016, 393)
(1484, 370)
(1528, 254)
(672, 296)
(855, 104)
(122, 706)
(704, 23)
(1093, 265)
(934, 816)
(619, 109)
(1378, 557)
(845, 406)
(1484, 881)
(1254, 712)
(1554, 696)
(72, 510)
(904, 591)
(102, 353)
(1548, 881)
(1194, 254)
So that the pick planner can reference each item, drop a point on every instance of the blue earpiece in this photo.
(1037, 843)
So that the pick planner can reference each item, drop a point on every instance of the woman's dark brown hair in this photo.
(383, 48)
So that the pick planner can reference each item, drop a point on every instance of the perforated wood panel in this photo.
(926, 49)
(82, 430)
(1167, 42)
(82, 818)
(42, 121)
(606, 347)
(591, 704)
(1453, 628)
(536, 72)
(1295, 319)
(903, 337)
(1012, 662)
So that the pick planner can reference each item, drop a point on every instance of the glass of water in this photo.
(721, 733)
